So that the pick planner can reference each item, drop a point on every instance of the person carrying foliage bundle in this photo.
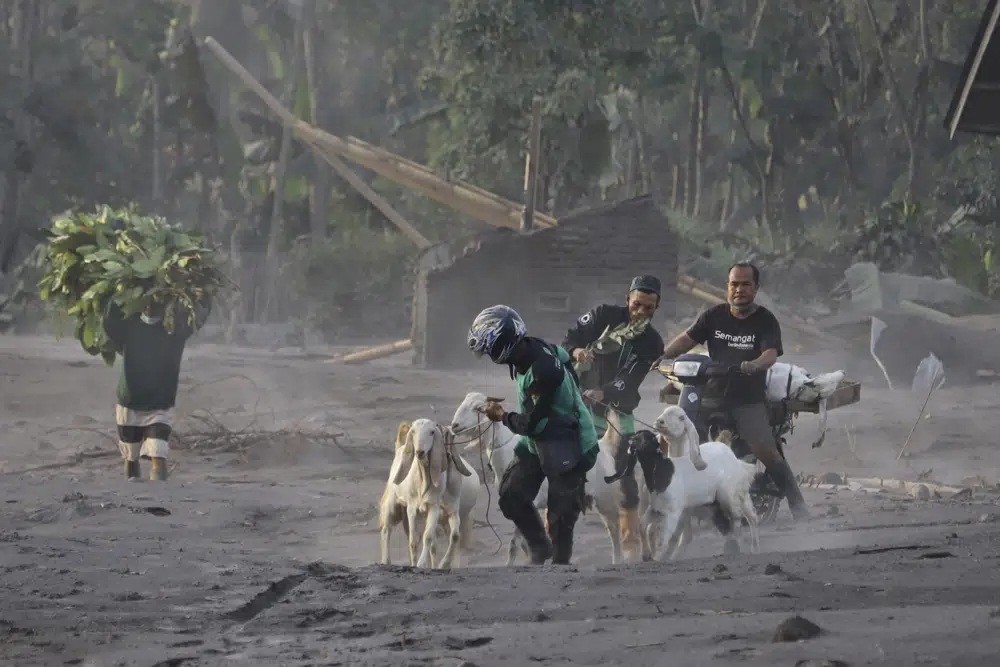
(148, 378)
(137, 287)
(613, 347)
(558, 441)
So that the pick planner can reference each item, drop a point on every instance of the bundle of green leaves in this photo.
(133, 260)
(612, 340)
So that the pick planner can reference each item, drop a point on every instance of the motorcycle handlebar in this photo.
(714, 369)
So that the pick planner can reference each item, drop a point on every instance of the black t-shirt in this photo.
(731, 340)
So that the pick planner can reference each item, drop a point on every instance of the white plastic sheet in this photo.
(878, 326)
(930, 373)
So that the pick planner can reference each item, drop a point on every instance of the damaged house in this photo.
(551, 276)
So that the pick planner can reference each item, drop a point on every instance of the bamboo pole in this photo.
(469, 199)
(531, 166)
(384, 207)
(306, 132)
(902, 486)
(370, 353)
(685, 287)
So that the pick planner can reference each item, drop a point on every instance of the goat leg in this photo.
(670, 524)
(647, 535)
(752, 521)
(430, 535)
(385, 517)
(412, 534)
(684, 538)
(614, 534)
(454, 536)
(384, 534)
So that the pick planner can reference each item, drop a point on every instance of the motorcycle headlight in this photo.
(686, 369)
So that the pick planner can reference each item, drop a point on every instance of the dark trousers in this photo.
(519, 486)
(754, 427)
(136, 434)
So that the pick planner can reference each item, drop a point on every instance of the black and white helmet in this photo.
(495, 332)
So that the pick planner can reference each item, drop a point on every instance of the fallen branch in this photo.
(917, 420)
(882, 550)
(91, 429)
(217, 438)
(238, 376)
(76, 460)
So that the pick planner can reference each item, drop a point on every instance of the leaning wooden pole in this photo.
(296, 126)
(371, 353)
(531, 166)
(468, 199)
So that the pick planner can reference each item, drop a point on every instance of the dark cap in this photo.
(649, 284)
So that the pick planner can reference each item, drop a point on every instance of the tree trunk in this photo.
(319, 194)
(26, 19)
(274, 242)
(157, 156)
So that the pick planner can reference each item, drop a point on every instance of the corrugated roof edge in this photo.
(440, 256)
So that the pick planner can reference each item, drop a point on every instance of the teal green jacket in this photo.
(548, 388)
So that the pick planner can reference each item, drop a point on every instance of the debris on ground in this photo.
(796, 629)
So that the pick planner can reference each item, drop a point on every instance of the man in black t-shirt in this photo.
(744, 334)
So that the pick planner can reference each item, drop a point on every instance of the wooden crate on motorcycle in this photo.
(847, 393)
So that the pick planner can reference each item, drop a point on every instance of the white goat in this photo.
(606, 498)
(428, 478)
(679, 489)
(392, 507)
(788, 381)
(499, 441)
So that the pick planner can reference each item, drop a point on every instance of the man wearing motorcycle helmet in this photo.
(613, 380)
(558, 440)
(744, 334)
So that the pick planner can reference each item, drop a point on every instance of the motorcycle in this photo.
(695, 372)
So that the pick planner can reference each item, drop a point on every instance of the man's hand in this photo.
(659, 360)
(594, 395)
(493, 411)
(749, 367)
(582, 355)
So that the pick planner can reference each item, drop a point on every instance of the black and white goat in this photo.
(678, 490)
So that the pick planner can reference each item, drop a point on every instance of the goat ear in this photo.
(404, 458)
(401, 432)
(694, 445)
(437, 457)
(459, 464)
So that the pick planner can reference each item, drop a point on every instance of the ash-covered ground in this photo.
(261, 546)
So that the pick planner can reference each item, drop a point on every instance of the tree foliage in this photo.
(779, 129)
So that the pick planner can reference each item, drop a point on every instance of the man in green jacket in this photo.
(149, 373)
(558, 440)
